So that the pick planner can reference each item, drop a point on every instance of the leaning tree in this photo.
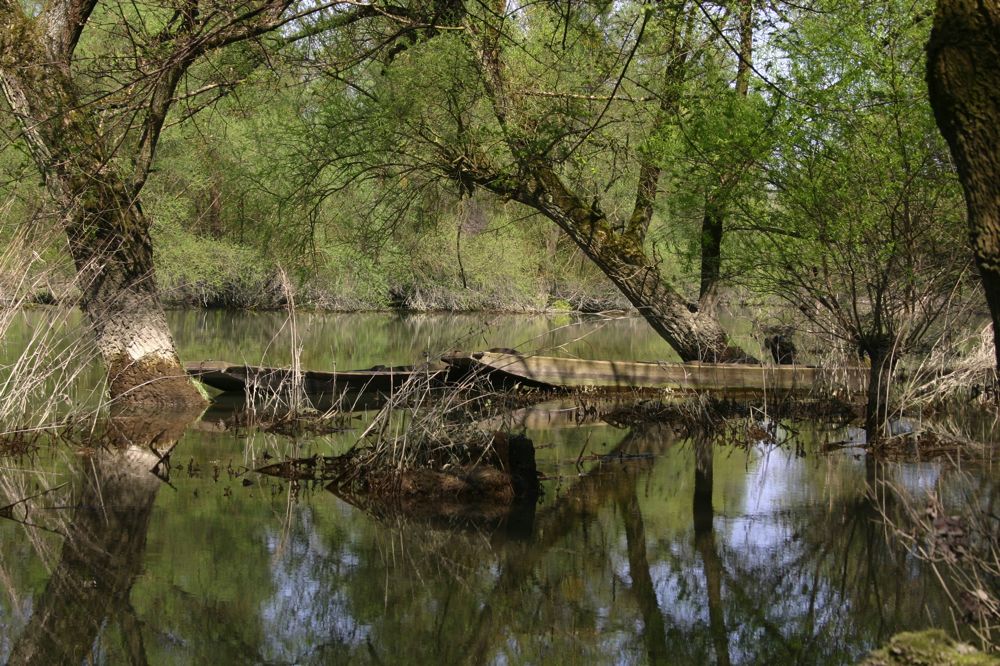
(91, 86)
(562, 109)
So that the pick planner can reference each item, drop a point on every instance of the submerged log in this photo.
(233, 378)
(548, 372)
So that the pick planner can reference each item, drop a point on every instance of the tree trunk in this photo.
(714, 220)
(616, 250)
(107, 232)
(113, 254)
(883, 362)
(711, 256)
(694, 335)
(963, 76)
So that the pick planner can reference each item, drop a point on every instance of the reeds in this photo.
(954, 527)
(424, 426)
(48, 354)
(960, 370)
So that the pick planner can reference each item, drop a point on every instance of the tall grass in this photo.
(954, 528)
(963, 369)
(48, 354)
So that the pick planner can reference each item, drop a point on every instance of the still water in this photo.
(650, 547)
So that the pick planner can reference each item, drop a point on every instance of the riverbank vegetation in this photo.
(753, 181)
(680, 161)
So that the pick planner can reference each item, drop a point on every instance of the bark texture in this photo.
(107, 232)
(694, 335)
(884, 357)
(94, 170)
(963, 76)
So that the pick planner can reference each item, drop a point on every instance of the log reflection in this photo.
(104, 545)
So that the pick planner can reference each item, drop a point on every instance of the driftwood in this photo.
(232, 378)
(550, 372)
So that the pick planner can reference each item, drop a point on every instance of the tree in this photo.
(616, 247)
(91, 89)
(728, 178)
(963, 76)
(552, 109)
(860, 228)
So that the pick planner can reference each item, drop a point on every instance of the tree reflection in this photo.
(810, 581)
(666, 550)
(704, 542)
(104, 545)
(653, 624)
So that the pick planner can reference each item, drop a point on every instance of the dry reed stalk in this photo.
(955, 529)
(41, 382)
(266, 404)
(962, 369)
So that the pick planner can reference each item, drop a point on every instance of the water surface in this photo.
(652, 546)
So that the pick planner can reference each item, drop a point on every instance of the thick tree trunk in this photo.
(883, 362)
(694, 335)
(963, 76)
(112, 250)
(107, 232)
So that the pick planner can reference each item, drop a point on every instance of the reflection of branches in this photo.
(956, 530)
(835, 558)
(610, 480)
(15, 486)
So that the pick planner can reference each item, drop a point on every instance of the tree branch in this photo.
(63, 21)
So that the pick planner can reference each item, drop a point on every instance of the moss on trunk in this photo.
(108, 233)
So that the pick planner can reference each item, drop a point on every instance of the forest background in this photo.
(696, 156)
(254, 175)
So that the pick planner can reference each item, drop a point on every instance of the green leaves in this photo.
(864, 225)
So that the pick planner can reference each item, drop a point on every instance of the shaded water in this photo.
(652, 547)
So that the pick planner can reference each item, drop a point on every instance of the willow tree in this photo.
(963, 73)
(555, 108)
(618, 245)
(91, 86)
(861, 225)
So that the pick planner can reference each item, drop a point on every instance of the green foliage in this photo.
(208, 272)
(861, 224)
